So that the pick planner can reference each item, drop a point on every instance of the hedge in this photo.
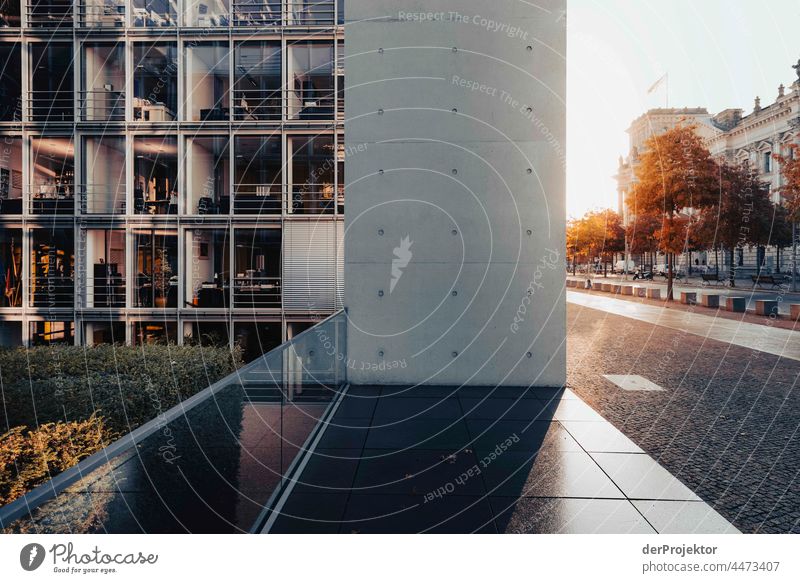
(128, 386)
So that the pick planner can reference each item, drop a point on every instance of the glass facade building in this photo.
(170, 170)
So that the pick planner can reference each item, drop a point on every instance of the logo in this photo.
(31, 556)
(402, 257)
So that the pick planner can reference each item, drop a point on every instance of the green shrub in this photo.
(127, 385)
(29, 458)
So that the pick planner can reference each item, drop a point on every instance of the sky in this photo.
(719, 54)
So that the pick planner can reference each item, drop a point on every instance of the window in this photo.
(11, 266)
(310, 84)
(257, 182)
(155, 13)
(207, 82)
(10, 13)
(102, 94)
(156, 279)
(155, 82)
(208, 175)
(52, 189)
(101, 13)
(51, 98)
(11, 176)
(52, 268)
(767, 161)
(10, 82)
(105, 268)
(257, 268)
(103, 190)
(208, 280)
(155, 332)
(155, 176)
(257, 90)
(105, 332)
(49, 333)
(50, 13)
(256, 12)
(312, 175)
(206, 13)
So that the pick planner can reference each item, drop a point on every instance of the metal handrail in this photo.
(102, 105)
(310, 104)
(44, 105)
(97, 14)
(257, 198)
(111, 290)
(313, 199)
(52, 291)
(257, 292)
(49, 14)
(257, 104)
(100, 199)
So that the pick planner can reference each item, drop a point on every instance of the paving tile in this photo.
(419, 433)
(418, 472)
(672, 517)
(567, 516)
(573, 410)
(552, 393)
(549, 473)
(417, 407)
(378, 513)
(496, 392)
(331, 470)
(421, 391)
(501, 408)
(344, 433)
(311, 513)
(641, 477)
(355, 406)
(600, 436)
(532, 436)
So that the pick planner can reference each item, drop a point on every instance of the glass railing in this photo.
(216, 462)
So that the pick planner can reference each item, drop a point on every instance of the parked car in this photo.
(622, 267)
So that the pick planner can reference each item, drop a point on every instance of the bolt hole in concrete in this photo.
(632, 382)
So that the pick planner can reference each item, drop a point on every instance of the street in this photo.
(725, 423)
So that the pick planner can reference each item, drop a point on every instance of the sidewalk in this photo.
(744, 289)
(777, 341)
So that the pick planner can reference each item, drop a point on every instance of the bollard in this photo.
(627, 290)
(794, 312)
(654, 293)
(767, 308)
(606, 287)
(640, 291)
(710, 300)
(616, 289)
(688, 298)
(735, 304)
(597, 286)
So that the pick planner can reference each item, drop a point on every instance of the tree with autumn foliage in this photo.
(596, 234)
(675, 173)
(740, 214)
(790, 191)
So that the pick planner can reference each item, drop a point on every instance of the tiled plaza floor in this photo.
(434, 459)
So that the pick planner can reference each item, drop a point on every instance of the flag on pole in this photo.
(657, 84)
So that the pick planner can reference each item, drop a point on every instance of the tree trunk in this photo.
(732, 269)
(716, 260)
(670, 260)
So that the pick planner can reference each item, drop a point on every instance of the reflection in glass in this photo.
(155, 82)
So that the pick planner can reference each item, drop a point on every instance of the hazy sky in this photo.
(719, 54)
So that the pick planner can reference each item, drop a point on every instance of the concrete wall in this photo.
(455, 144)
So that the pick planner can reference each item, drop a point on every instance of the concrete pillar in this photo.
(597, 286)
(688, 298)
(654, 293)
(454, 244)
(710, 300)
(794, 312)
(627, 290)
(640, 291)
(607, 287)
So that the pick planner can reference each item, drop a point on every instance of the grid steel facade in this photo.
(170, 170)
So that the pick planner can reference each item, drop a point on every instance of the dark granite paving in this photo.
(441, 460)
(726, 424)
